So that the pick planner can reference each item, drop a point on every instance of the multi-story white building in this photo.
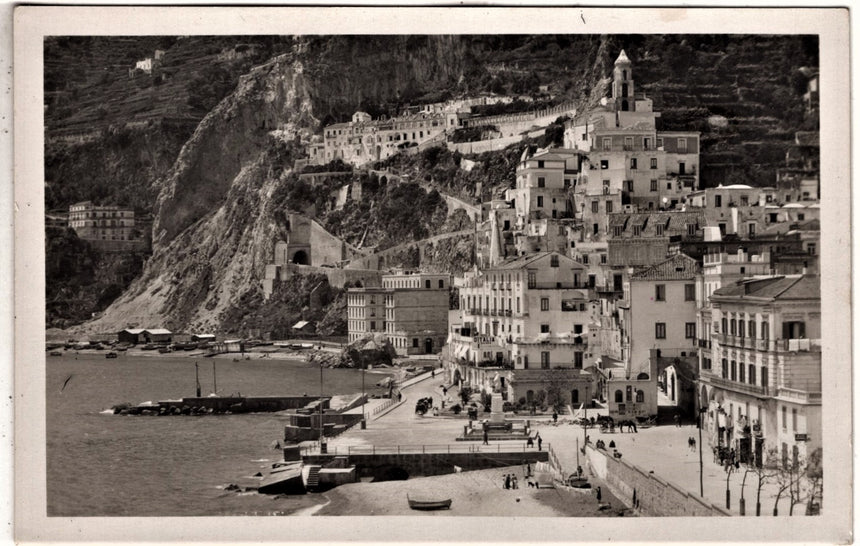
(102, 222)
(762, 389)
(627, 155)
(410, 309)
(526, 323)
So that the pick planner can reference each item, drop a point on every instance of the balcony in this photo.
(703, 343)
(717, 381)
(507, 312)
(770, 345)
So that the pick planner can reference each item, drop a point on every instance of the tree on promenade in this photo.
(764, 471)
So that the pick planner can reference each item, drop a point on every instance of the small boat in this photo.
(56, 353)
(428, 504)
(164, 350)
(111, 354)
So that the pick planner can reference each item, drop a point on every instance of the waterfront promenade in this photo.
(663, 450)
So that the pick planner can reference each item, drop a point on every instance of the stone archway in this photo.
(301, 258)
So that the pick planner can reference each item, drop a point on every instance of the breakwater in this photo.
(224, 404)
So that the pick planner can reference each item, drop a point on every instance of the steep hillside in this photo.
(220, 204)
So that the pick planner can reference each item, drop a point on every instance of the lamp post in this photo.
(702, 412)
(363, 401)
(322, 440)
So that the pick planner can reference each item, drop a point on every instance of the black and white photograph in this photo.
(568, 269)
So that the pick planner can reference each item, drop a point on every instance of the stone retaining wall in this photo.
(656, 496)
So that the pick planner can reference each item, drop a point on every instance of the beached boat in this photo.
(428, 504)
(56, 353)
(110, 355)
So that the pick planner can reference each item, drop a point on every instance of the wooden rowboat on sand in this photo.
(429, 504)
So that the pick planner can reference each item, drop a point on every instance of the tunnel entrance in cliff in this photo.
(300, 258)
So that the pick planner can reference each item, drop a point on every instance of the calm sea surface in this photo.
(101, 464)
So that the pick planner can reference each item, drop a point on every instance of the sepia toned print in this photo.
(460, 275)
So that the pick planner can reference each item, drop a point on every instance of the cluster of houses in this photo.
(607, 275)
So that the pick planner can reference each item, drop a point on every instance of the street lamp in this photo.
(702, 411)
(322, 440)
(363, 401)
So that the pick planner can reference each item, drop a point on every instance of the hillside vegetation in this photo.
(206, 143)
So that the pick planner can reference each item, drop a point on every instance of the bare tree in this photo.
(764, 471)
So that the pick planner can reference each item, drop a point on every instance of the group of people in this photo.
(511, 482)
(530, 442)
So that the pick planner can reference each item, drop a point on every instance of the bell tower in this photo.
(622, 84)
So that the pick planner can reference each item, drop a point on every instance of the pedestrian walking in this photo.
(444, 391)
(540, 443)
(514, 484)
(432, 373)
(678, 420)
(599, 494)
(528, 470)
(555, 417)
(507, 481)
(486, 437)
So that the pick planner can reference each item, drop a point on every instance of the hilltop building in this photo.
(627, 155)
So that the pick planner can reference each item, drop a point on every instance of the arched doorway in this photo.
(300, 257)
(624, 106)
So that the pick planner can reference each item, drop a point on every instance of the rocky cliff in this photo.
(219, 207)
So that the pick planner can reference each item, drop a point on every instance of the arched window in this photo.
(640, 396)
(619, 396)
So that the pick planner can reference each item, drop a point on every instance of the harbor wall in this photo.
(248, 404)
(656, 496)
(429, 464)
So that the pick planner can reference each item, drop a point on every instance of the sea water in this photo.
(100, 464)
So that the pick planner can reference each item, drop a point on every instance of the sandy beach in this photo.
(476, 493)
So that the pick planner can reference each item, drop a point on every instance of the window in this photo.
(373, 325)
(544, 304)
(633, 163)
(544, 360)
(668, 185)
(604, 164)
(734, 327)
(595, 206)
(741, 328)
(541, 181)
(577, 360)
(628, 143)
(659, 142)
(689, 292)
(745, 201)
(691, 230)
(540, 201)
(553, 261)
(427, 283)
(659, 228)
(764, 377)
(441, 283)
(585, 259)
(608, 207)
(637, 231)
(784, 419)
(741, 372)
(718, 201)
(794, 419)
(619, 396)
(617, 230)
(660, 330)
(603, 258)
(415, 342)
(526, 363)
(725, 368)
(629, 391)
(540, 164)
(653, 184)
(800, 217)
(682, 145)
(607, 145)
(532, 282)
(751, 377)
(629, 184)
(660, 292)
(640, 397)
(765, 330)
(653, 162)
(810, 249)
(734, 371)
(690, 330)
